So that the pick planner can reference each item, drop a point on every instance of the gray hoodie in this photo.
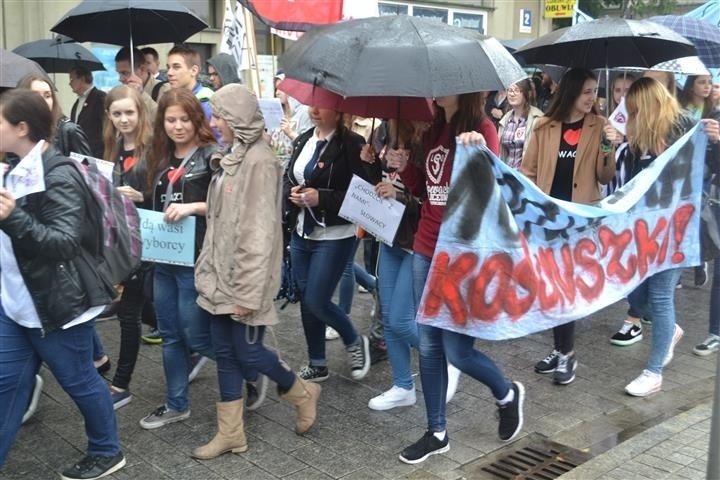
(226, 66)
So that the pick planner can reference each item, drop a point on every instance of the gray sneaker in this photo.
(163, 416)
(709, 345)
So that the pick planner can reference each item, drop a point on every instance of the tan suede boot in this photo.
(304, 395)
(230, 435)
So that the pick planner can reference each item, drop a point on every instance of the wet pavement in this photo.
(349, 441)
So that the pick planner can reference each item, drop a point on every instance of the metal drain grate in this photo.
(532, 458)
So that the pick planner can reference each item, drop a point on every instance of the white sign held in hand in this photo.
(28, 176)
(363, 207)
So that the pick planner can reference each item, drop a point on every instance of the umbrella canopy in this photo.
(120, 22)
(607, 42)
(13, 67)
(405, 108)
(685, 66)
(58, 57)
(402, 56)
(513, 44)
(710, 12)
(705, 36)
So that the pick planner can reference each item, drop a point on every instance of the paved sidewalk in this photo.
(352, 442)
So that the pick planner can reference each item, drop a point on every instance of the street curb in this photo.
(630, 449)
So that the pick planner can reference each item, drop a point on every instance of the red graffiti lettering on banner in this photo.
(617, 243)
(549, 276)
(444, 285)
(583, 252)
(680, 220)
(647, 246)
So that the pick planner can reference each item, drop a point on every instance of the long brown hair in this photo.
(26, 82)
(162, 145)
(143, 131)
(569, 90)
(471, 109)
(686, 95)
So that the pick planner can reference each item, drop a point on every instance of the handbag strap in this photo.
(169, 191)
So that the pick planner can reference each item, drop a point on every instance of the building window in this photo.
(471, 19)
(440, 14)
(392, 9)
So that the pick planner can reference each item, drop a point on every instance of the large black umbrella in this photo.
(13, 67)
(704, 35)
(130, 22)
(400, 56)
(607, 43)
(56, 56)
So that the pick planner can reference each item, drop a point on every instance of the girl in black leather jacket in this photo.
(45, 311)
(178, 179)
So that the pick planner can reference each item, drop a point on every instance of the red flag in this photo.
(298, 15)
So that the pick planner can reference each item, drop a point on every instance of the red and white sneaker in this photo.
(646, 384)
(677, 335)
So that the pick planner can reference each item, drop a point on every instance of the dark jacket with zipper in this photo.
(193, 185)
(53, 241)
(331, 177)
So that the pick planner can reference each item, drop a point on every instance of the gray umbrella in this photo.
(607, 43)
(56, 56)
(13, 67)
(400, 56)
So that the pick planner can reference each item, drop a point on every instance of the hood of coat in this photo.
(226, 66)
(240, 109)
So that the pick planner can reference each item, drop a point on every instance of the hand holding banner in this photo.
(363, 207)
(172, 243)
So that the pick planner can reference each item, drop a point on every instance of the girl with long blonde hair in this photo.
(655, 122)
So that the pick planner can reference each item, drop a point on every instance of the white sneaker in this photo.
(644, 385)
(34, 399)
(395, 397)
(453, 380)
(677, 335)
(331, 334)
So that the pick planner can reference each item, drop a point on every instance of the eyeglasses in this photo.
(513, 91)
(213, 74)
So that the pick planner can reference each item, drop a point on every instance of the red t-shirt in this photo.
(435, 180)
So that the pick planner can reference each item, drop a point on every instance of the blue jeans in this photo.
(655, 299)
(183, 326)
(316, 269)
(395, 286)
(435, 344)
(353, 273)
(240, 347)
(68, 355)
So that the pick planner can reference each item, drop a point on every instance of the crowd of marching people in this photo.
(263, 200)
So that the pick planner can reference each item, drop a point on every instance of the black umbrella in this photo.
(400, 56)
(13, 67)
(56, 56)
(607, 43)
(133, 22)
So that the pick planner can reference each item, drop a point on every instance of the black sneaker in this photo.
(378, 351)
(93, 466)
(423, 448)
(548, 364)
(359, 358)
(311, 373)
(701, 275)
(255, 392)
(565, 370)
(628, 334)
(511, 414)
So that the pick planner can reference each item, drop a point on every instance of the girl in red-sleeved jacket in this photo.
(458, 116)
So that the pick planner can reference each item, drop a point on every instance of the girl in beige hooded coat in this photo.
(238, 272)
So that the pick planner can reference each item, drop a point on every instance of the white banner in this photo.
(28, 176)
(234, 40)
(619, 117)
(363, 207)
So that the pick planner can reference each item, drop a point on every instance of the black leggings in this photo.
(564, 337)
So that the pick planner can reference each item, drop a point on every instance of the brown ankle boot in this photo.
(304, 395)
(230, 435)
